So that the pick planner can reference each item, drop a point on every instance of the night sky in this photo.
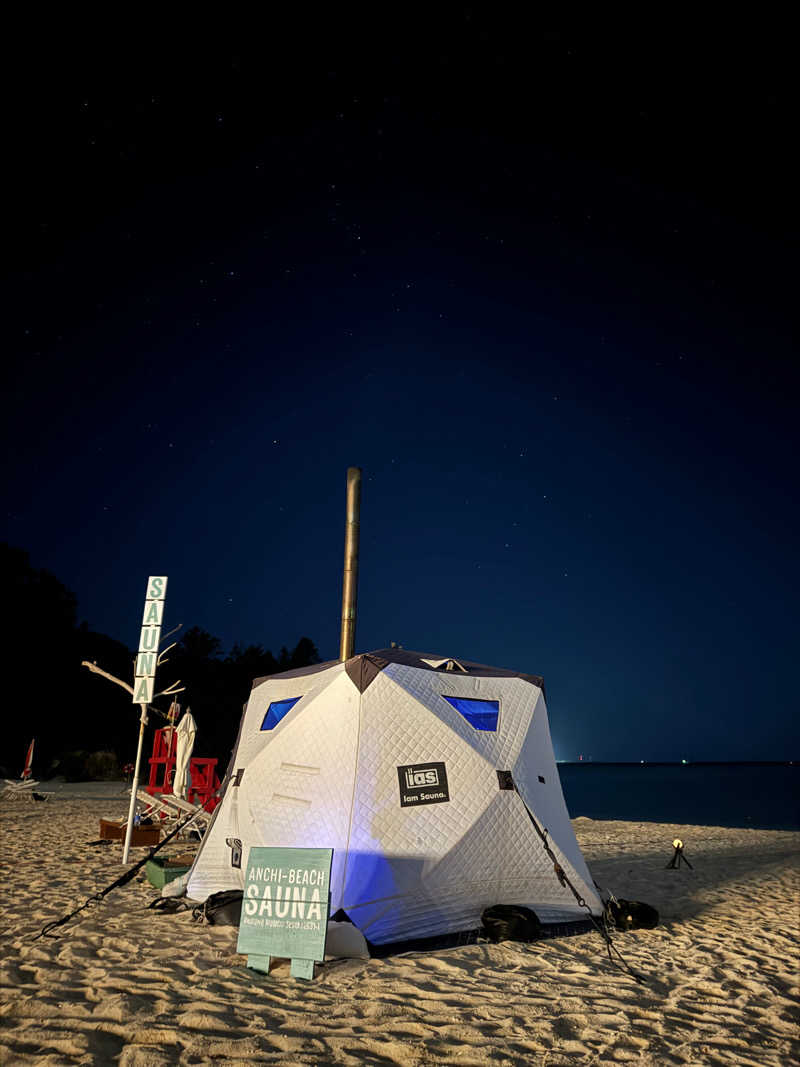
(536, 284)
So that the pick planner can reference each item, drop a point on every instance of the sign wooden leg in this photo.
(302, 969)
(258, 963)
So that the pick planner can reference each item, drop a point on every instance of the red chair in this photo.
(202, 771)
(162, 762)
(205, 782)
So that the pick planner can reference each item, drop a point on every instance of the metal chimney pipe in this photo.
(350, 583)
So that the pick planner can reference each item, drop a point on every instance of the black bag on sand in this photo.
(511, 922)
(169, 905)
(632, 915)
(221, 909)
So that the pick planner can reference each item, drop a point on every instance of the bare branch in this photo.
(162, 654)
(174, 630)
(117, 681)
(170, 690)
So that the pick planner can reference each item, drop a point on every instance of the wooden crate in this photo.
(140, 836)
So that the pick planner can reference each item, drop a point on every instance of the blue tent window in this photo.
(276, 711)
(482, 714)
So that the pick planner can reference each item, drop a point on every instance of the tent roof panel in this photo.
(363, 668)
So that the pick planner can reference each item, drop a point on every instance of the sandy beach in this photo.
(123, 984)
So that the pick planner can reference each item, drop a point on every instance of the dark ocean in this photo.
(764, 796)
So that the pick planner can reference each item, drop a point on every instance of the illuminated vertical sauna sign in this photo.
(149, 639)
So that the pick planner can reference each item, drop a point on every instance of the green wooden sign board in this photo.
(285, 907)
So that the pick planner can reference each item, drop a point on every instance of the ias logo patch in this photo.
(422, 783)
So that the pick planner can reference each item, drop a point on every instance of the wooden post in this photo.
(134, 785)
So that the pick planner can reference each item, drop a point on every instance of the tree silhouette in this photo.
(108, 718)
(304, 655)
(72, 713)
(41, 684)
(217, 688)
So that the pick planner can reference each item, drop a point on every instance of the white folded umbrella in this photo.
(186, 730)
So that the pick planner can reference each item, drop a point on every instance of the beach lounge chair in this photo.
(153, 805)
(169, 807)
(23, 787)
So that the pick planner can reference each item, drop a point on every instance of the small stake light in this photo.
(678, 857)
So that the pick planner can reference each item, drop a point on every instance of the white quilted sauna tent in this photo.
(405, 764)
